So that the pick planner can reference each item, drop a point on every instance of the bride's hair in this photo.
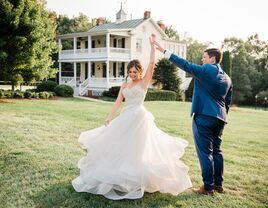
(134, 63)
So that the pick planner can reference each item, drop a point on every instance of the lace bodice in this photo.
(134, 96)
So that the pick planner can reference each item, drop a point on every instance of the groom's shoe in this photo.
(218, 189)
(202, 190)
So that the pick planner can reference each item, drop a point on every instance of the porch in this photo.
(96, 76)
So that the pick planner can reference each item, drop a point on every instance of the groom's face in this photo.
(208, 60)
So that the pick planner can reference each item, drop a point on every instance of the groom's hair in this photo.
(216, 53)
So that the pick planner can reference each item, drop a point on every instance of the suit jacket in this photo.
(212, 88)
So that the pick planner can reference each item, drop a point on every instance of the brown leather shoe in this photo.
(218, 189)
(202, 190)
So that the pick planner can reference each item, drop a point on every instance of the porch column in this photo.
(59, 72)
(107, 62)
(89, 69)
(107, 73)
(125, 69)
(108, 44)
(60, 48)
(75, 73)
(89, 43)
(75, 44)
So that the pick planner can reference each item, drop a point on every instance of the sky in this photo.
(203, 20)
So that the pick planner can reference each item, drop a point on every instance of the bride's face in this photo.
(134, 74)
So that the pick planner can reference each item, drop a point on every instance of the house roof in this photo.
(129, 24)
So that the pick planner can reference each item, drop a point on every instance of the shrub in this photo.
(112, 92)
(18, 94)
(31, 90)
(160, 95)
(9, 94)
(1, 94)
(29, 94)
(46, 86)
(35, 94)
(52, 94)
(64, 90)
(44, 95)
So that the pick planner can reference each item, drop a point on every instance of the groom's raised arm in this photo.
(196, 70)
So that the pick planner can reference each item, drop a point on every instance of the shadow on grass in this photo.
(63, 195)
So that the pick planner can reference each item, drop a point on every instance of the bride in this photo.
(129, 155)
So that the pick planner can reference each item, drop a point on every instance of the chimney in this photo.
(100, 21)
(147, 14)
(161, 25)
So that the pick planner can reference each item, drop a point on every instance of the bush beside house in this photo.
(152, 94)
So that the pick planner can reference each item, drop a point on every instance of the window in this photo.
(121, 67)
(78, 69)
(139, 45)
(93, 69)
(78, 45)
(119, 43)
(86, 70)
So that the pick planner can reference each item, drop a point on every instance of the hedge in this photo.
(160, 95)
(46, 86)
(152, 94)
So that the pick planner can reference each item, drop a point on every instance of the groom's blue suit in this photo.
(210, 105)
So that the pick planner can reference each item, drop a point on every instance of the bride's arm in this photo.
(116, 105)
(150, 70)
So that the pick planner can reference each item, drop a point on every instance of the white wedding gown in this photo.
(131, 155)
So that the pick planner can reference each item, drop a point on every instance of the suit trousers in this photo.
(207, 133)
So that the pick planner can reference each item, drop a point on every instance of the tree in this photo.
(258, 50)
(27, 39)
(81, 23)
(226, 62)
(249, 67)
(195, 51)
(166, 77)
(189, 91)
(172, 33)
(243, 69)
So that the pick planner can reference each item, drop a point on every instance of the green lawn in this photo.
(39, 154)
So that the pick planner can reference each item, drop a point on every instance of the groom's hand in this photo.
(159, 47)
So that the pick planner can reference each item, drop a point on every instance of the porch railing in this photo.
(92, 83)
(92, 53)
(83, 87)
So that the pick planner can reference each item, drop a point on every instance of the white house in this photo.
(92, 65)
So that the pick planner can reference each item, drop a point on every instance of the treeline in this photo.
(245, 61)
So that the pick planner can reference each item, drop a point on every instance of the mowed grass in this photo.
(39, 152)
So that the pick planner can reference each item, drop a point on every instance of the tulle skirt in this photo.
(131, 156)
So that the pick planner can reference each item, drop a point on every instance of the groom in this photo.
(210, 105)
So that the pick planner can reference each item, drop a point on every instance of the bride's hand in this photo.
(107, 121)
(152, 39)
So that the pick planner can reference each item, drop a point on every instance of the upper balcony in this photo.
(88, 47)
(122, 54)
